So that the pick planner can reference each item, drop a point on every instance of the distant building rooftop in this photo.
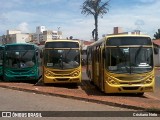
(156, 42)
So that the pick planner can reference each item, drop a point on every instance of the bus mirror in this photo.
(103, 54)
(41, 54)
(36, 53)
(83, 52)
(156, 51)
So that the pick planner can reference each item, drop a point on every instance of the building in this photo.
(84, 45)
(119, 31)
(42, 34)
(2, 39)
(17, 38)
(51, 35)
(38, 36)
(9, 32)
(156, 44)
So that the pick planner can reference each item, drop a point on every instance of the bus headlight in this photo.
(48, 73)
(76, 73)
(148, 80)
(111, 81)
(33, 71)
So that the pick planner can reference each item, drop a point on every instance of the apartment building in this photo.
(9, 32)
(14, 36)
(42, 34)
(51, 35)
(17, 38)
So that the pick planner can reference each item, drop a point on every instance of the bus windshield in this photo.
(62, 58)
(20, 59)
(129, 59)
(132, 54)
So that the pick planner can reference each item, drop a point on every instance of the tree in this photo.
(157, 34)
(96, 8)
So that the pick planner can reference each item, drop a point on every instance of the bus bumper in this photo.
(128, 88)
(47, 79)
(20, 77)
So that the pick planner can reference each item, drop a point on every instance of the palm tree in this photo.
(95, 8)
(157, 34)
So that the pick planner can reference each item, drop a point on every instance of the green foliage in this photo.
(157, 34)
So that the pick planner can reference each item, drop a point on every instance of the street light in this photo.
(59, 28)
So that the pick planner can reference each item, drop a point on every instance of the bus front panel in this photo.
(20, 65)
(62, 76)
(129, 65)
(62, 65)
(126, 83)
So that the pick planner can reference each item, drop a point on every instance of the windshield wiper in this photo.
(127, 67)
(137, 53)
(66, 54)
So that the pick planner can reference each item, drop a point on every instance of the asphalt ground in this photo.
(88, 92)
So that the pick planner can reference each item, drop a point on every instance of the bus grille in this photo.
(62, 73)
(130, 83)
(62, 79)
(20, 70)
(21, 77)
(130, 88)
(130, 78)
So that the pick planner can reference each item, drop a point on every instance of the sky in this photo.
(26, 15)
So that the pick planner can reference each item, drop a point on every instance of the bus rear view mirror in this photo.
(156, 50)
(41, 54)
(103, 53)
(36, 53)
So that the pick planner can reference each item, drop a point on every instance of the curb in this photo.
(81, 98)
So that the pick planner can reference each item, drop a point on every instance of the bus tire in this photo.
(4, 79)
(140, 94)
(91, 81)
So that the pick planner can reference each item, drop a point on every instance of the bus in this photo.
(22, 62)
(1, 61)
(62, 61)
(122, 64)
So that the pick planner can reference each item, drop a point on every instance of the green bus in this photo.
(1, 61)
(22, 62)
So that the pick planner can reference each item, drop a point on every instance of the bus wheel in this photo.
(4, 78)
(76, 84)
(91, 81)
(1, 78)
(140, 94)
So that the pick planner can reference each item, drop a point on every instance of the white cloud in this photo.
(79, 29)
(72, 22)
(23, 27)
(147, 1)
(144, 17)
(10, 3)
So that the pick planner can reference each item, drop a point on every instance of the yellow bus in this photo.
(62, 61)
(122, 64)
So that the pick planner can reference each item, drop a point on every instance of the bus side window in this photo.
(41, 54)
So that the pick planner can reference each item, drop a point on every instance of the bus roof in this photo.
(20, 44)
(127, 35)
(63, 40)
(117, 35)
